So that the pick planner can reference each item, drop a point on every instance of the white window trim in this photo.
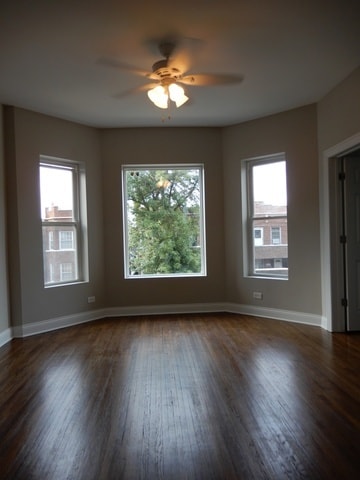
(248, 215)
(185, 166)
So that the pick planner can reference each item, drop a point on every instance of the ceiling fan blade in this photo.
(115, 63)
(210, 79)
(131, 91)
(181, 61)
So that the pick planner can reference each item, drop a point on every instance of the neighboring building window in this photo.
(62, 226)
(266, 217)
(258, 236)
(66, 272)
(164, 227)
(66, 240)
(275, 235)
(51, 273)
(51, 240)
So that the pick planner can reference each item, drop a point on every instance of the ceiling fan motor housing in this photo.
(163, 70)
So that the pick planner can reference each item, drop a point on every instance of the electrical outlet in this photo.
(91, 299)
(258, 295)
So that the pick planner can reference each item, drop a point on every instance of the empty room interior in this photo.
(179, 240)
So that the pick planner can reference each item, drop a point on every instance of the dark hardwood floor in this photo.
(181, 397)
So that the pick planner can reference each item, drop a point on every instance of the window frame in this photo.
(249, 218)
(124, 197)
(77, 224)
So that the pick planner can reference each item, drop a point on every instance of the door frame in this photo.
(330, 230)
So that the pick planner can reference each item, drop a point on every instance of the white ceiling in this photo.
(290, 53)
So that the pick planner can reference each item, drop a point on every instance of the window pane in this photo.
(59, 248)
(56, 193)
(269, 188)
(271, 257)
(164, 221)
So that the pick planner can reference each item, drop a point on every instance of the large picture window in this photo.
(61, 221)
(266, 217)
(164, 228)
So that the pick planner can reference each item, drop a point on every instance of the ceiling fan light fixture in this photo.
(159, 96)
(177, 94)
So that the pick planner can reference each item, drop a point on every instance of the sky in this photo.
(56, 188)
(269, 186)
(270, 183)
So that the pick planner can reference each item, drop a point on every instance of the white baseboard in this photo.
(5, 336)
(75, 319)
(58, 322)
(276, 314)
(324, 324)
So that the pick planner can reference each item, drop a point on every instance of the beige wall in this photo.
(28, 135)
(339, 113)
(292, 132)
(4, 307)
(158, 146)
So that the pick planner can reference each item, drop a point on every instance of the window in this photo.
(66, 240)
(275, 235)
(66, 272)
(258, 236)
(266, 252)
(62, 227)
(51, 273)
(51, 240)
(164, 228)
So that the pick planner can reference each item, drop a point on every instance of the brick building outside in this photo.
(270, 238)
(59, 246)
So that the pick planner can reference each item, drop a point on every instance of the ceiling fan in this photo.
(169, 74)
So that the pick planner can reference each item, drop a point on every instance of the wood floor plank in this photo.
(216, 396)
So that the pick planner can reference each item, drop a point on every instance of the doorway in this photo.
(349, 177)
(336, 316)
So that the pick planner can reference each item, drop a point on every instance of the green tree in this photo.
(163, 221)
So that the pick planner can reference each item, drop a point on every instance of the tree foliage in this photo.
(163, 221)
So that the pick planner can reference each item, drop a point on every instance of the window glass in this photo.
(163, 221)
(61, 222)
(57, 192)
